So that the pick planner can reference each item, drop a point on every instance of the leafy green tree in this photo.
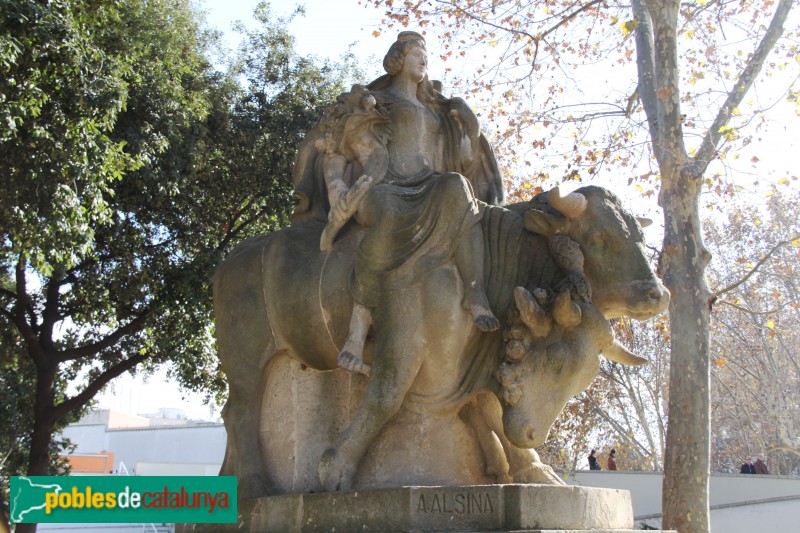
(130, 167)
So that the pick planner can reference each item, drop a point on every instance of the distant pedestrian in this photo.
(593, 462)
(612, 463)
(748, 467)
(761, 466)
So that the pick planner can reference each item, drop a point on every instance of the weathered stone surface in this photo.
(429, 509)
(474, 323)
(303, 412)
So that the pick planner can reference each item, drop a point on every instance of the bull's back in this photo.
(243, 335)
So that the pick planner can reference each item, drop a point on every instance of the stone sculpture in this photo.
(397, 265)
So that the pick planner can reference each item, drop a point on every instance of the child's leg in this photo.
(469, 260)
(352, 355)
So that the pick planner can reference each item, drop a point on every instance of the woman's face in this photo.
(415, 63)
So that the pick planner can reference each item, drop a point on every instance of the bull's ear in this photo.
(620, 354)
(545, 224)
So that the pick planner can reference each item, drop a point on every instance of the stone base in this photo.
(475, 508)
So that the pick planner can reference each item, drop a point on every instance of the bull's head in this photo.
(611, 240)
(551, 357)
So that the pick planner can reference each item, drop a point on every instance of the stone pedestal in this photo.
(475, 508)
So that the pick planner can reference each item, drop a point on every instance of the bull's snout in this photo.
(653, 298)
(640, 299)
(526, 435)
(533, 438)
(659, 297)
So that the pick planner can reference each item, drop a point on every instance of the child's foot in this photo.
(481, 314)
(353, 363)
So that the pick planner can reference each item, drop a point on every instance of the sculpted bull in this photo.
(279, 294)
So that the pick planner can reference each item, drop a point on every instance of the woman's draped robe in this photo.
(416, 223)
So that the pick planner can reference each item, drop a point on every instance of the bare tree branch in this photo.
(755, 268)
(22, 310)
(645, 64)
(707, 148)
(79, 400)
(107, 341)
(536, 39)
(750, 311)
(50, 313)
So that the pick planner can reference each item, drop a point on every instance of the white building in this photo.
(166, 444)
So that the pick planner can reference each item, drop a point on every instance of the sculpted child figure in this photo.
(354, 130)
(420, 209)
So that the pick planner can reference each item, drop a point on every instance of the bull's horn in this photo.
(565, 311)
(571, 205)
(644, 222)
(531, 313)
(620, 354)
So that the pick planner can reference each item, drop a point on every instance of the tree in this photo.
(634, 410)
(572, 434)
(754, 368)
(130, 167)
(534, 46)
(625, 408)
(757, 370)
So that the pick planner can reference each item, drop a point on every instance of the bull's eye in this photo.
(557, 356)
(598, 240)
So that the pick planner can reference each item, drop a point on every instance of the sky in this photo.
(329, 29)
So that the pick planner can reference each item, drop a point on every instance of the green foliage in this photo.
(130, 167)
(59, 95)
(17, 383)
(241, 184)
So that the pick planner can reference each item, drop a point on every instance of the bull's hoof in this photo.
(499, 476)
(335, 472)
(538, 473)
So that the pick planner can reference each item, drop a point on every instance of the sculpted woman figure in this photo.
(412, 168)
(423, 212)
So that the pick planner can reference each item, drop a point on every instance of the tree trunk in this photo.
(5, 525)
(42, 435)
(687, 461)
(38, 460)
